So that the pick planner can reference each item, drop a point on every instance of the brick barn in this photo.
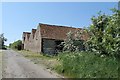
(46, 38)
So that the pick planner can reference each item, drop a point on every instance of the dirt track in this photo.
(16, 66)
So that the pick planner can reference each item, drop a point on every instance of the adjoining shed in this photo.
(46, 38)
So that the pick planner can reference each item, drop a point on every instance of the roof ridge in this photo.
(58, 26)
(27, 32)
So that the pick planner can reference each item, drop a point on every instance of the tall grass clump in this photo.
(87, 65)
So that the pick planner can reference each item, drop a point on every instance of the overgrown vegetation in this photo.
(16, 45)
(48, 61)
(87, 65)
(105, 34)
(73, 43)
(102, 54)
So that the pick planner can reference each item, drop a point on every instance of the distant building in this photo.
(46, 38)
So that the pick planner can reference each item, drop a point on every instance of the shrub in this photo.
(105, 34)
(73, 42)
(16, 45)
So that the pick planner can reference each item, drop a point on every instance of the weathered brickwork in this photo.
(45, 37)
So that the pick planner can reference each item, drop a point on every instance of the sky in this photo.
(18, 17)
(59, 0)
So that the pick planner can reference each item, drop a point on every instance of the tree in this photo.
(16, 45)
(74, 42)
(105, 34)
(2, 40)
(68, 43)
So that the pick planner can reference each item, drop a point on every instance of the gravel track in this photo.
(17, 66)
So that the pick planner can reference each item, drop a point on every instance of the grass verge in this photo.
(48, 61)
(87, 65)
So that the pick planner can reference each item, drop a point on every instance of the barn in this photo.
(46, 38)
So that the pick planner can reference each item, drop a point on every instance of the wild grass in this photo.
(87, 65)
(77, 64)
(48, 61)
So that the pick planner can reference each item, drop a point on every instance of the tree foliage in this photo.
(2, 40)
(73, 42)
(16, 45)
(105, 34)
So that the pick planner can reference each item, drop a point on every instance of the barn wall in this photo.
(32, 41)
(26, 45)
(37, 41)
(23, 40)
(26, 41)
(29, 44)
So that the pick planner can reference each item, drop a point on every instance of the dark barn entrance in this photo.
(51, 46)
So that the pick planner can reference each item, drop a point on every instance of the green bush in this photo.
(16, 45)
(87, 65)
(105, 34)
(73, 42)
